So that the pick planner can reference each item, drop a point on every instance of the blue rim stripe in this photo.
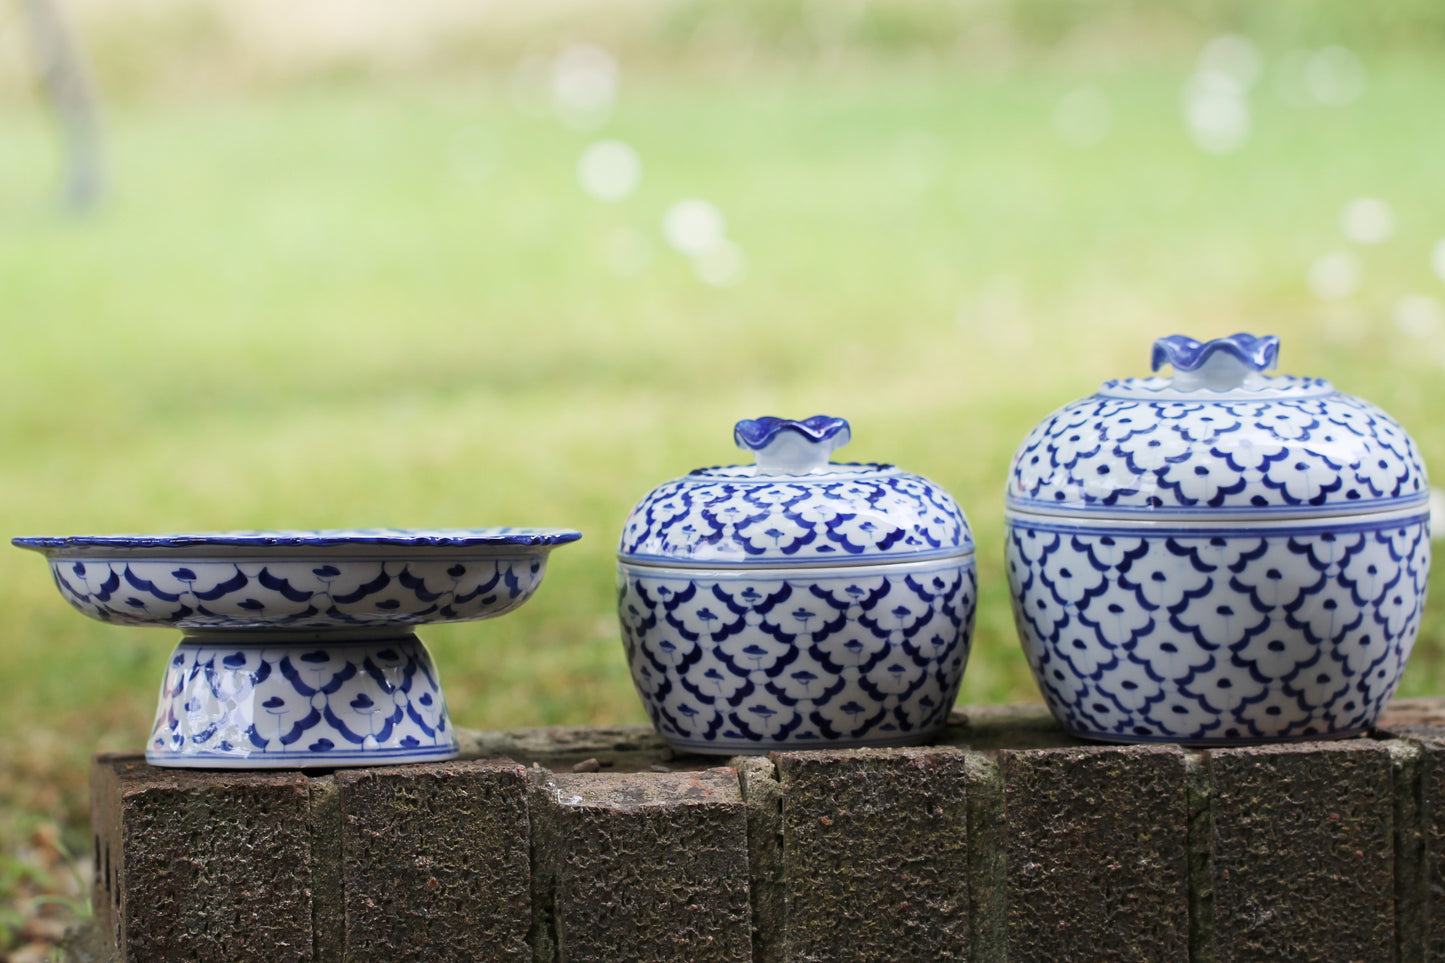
(1206, 529)
(1072, 508)
(316, 756)
(322, 538)
(747, 474)
(1135, 389)
(963, 550)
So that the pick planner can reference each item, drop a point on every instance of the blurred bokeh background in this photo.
(453, 264)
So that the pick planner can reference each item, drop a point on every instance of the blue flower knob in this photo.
(792, 447)
(1238, 361)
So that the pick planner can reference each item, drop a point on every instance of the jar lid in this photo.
(794, 507)
(1218, 438)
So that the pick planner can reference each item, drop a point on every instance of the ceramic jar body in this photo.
(796, 603)
(742, 661)
(1217, 633)
(1226, 564)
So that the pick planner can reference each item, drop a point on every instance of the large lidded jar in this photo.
(796, 603)
(1220, 556)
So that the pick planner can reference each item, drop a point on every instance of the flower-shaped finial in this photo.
(792, 447)
(1238, 361)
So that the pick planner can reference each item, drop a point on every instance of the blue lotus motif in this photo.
(785, 536)
(805, 685)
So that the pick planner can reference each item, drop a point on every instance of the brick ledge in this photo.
(1008, 840)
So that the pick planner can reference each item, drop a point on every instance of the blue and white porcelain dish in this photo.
(1219, 557)
(298, 648)
(796, 603)
(332, 580)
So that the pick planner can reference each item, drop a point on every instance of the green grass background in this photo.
(354, 296)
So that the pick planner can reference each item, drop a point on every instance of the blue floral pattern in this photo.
(228, 701)
(1309, 450)
(747, 662)
(850, 514)
(1210, 635)
(295, 595)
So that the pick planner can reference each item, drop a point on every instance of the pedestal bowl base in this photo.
(303, 700)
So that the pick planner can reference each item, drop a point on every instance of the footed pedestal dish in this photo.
(298, 648)
(796, 603)
(1218, 557)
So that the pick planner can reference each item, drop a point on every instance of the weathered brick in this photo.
(197, 866)
(1302, 855)
(1019, 846)
(875, 844)
(1420, 887)
(763, 798)
(987, 870)
(647, 867)
(328, 899)
(1201, 873)
(1431, 900)
(436, 862)
(1409, 772)
(1096, 853)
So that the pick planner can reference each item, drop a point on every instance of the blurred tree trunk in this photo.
(67, 84)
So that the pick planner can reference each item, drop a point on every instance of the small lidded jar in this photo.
(1218, 557)
(796, 603)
